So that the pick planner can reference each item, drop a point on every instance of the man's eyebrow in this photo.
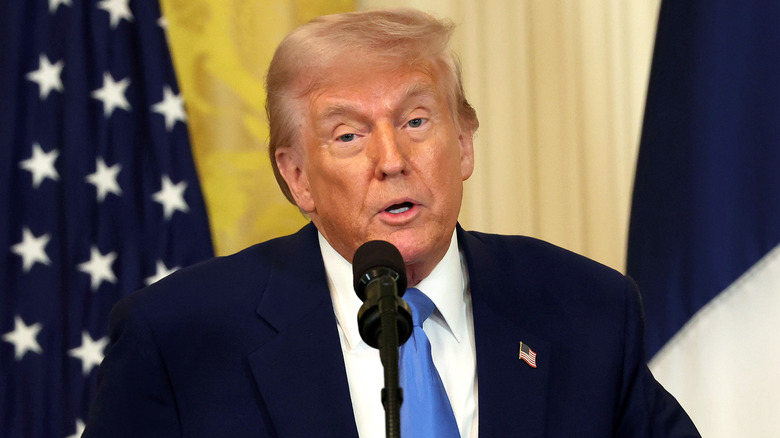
(420, 89)
(337, 109)
(341, 109)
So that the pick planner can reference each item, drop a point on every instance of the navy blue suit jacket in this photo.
(247, 346)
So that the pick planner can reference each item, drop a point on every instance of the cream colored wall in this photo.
(559, 87)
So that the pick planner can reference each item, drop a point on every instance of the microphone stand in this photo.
(392, 394)
(384, 319)
(385, 322)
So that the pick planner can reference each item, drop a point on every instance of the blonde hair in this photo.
(387, 36)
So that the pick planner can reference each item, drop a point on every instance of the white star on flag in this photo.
(41, 165)
(53, 4)
(80, 426)
(99, 267)
(47, 76)
(161, 272)
(104, 179)
(171, 196)
(112, 94)
(24, 338)
(117, 9)
(90, 352)
(172, 107)
(32, 249)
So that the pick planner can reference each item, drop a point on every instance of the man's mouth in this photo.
(399, 208)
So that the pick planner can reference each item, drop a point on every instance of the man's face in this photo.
(381, 158)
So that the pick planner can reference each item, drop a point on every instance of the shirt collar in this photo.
(445, 286)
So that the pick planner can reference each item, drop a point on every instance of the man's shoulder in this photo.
(531, 254)
(533, 274)
(251, 262)
(238, 279)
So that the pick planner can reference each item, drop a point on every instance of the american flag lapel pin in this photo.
(527, 355)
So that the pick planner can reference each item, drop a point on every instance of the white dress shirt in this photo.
(450, 330)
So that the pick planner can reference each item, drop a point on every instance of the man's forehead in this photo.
(339, 99)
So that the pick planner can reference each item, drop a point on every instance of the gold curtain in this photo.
(221, 50)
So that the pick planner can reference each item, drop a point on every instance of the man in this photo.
(371, 137)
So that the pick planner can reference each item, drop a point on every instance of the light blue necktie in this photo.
(426, 410)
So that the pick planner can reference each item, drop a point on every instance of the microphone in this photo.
(384, 319)
(380, 281)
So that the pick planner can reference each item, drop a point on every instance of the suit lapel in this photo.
(300, 371)
(512, 394)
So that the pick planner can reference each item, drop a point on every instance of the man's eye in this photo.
(347, 137)
(416, 123)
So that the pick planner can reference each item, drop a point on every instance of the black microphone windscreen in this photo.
(378, 253)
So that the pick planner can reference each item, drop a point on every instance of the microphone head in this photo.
(373, 255)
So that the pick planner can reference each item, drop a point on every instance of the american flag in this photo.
(527, 355)
(100, 195)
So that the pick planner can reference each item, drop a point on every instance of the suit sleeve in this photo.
(645, 409)
(134, 395)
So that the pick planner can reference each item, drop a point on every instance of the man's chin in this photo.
(416, 248)
(416, 244)
(410, 244)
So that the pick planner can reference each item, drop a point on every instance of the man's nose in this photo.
(391, 159)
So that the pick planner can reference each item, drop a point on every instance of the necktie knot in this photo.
(422, 306)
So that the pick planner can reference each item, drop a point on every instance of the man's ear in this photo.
(466, 139)
(290, 162)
